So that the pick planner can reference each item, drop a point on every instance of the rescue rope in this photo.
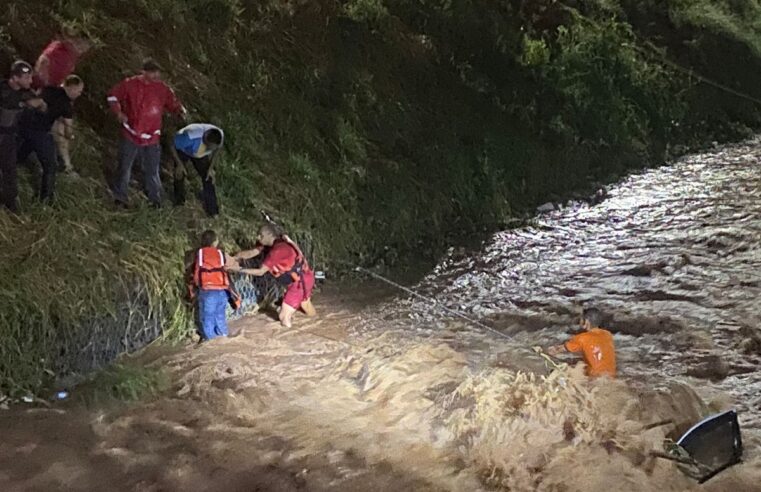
(433, 301)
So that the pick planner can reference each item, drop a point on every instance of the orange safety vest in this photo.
(210, 271)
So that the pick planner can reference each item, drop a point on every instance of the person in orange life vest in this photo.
(595, 344)
(212, 282)
(287, 264)
(139, 103)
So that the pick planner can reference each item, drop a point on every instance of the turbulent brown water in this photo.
(398, 396)
(673, 256)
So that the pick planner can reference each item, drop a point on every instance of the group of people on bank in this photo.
(37, 115)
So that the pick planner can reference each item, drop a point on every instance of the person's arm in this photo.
(67, 118)
(42, 69)
(68, 128)
(115, 97)
(248, 254)
(256, 272)
(556, 350)
(31, 99)
(172, 103)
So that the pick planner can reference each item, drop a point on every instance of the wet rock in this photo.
(711, 367)
(659, 295)
(751, 343)
(599, 196)
(646, 270)
(644, 325)
(547, 207)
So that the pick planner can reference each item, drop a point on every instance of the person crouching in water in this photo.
(212, 282)
(595, 344)
(287, 264)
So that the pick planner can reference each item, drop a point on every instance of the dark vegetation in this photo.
(370, 128)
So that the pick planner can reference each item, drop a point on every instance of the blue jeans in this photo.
(150, 156)
(212, 308)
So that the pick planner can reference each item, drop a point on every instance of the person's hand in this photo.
(554, 351)
(123, 119)
(233, 268)
(37, 103)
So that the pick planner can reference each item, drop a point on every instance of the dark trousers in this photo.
(208, 190)
(43, 145)
(150, 156)
(8, 172)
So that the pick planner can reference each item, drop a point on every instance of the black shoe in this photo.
(120, 205)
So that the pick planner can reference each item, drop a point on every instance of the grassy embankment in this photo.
(369, 127)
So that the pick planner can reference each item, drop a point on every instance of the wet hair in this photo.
(73, 80)
(151, 65)
(273, 229)
(213, 137)
(208, 238)
(593, 315)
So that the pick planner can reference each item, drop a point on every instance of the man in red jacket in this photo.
(139, 104)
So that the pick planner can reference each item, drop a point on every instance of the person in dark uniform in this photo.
(35, 129)
(15, 96)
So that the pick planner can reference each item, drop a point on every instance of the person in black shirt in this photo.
(15, 97)
(35, 129)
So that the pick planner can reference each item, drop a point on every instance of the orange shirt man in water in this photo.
(595, 345)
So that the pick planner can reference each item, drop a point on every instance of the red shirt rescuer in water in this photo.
(287, 264)
(595, 345)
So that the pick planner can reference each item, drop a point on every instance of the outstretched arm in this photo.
(256, 272)
(248, 254)
(557, 349)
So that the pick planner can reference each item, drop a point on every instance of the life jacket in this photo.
(295, 273)
(210, 271)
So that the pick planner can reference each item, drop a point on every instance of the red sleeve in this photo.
(116, 95)
(171, 102)
(280, 259)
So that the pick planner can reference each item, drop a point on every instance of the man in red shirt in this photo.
(287, 264)
(139, 104)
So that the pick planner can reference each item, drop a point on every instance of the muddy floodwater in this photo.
(673, 256)
(398, 395)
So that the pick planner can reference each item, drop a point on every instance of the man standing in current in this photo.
(139, 103)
